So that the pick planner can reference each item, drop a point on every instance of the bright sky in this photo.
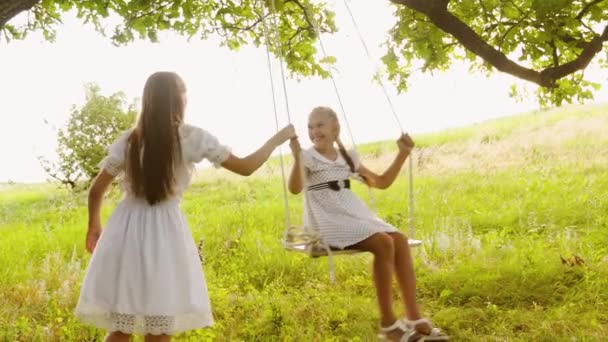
(229, 92)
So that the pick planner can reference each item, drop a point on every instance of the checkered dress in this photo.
(341, 218)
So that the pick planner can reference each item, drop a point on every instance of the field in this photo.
(513, 214)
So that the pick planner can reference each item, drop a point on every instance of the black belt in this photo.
(333, 185)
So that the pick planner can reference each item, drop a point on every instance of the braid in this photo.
(345, 155)
(349, 160)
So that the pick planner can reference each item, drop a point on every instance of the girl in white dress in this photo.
(344, 221)
(145, 275)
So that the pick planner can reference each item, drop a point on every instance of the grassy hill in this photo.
(505, 209)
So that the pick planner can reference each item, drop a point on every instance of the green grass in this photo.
(497, 206)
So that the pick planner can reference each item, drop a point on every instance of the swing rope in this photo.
(369, 56)
(293, 237)
(333, 81)
(394, 112)
(276, 120)
(302, 238)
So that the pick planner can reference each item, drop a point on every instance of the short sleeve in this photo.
(114, 162)
(307, 160)
(200, 144)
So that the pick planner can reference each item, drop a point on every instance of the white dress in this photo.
(341, 218)
(145, 274)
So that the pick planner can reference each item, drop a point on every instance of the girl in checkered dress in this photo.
(345, 222)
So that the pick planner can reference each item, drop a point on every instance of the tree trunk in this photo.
(10, 8)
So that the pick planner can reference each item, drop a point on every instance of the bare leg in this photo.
(157, 338)
(406, 278)
(381, 246)
(117, 336)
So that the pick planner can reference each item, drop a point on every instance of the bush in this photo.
(82, 144)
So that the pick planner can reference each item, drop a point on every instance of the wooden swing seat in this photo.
(307, 243)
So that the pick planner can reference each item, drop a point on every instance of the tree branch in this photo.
(581, 62)
(306, 17)
(437, 12)
(517, 7)
(504, 36)
(48, 167)
(554, 53)
(485, 10)
(295, 34)
(9, 9)
(152, 11)
(586, 9)
(492, 27)
(586, 26)
(244, 28)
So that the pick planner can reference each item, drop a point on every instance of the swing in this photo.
(307, 239)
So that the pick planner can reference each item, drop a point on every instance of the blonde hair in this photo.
(332, 114)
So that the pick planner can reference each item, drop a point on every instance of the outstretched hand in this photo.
(288, 132)
(405, 143)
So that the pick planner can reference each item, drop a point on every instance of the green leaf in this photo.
(525, 31)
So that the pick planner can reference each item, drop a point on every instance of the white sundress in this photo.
(341, 218)
(145, 274)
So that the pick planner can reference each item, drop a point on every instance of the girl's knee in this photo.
(383, 245)
(399, 239)
(400, 242)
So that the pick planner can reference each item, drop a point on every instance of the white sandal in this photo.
(435, 334)
(409, 334)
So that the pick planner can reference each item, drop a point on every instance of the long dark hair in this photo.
(154, 145)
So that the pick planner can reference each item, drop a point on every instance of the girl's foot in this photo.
(399, 332)
(425, 329)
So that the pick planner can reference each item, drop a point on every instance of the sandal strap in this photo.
(412, 336)
(435, 332)
(409, 334)
(417, 322)
(398, 324)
